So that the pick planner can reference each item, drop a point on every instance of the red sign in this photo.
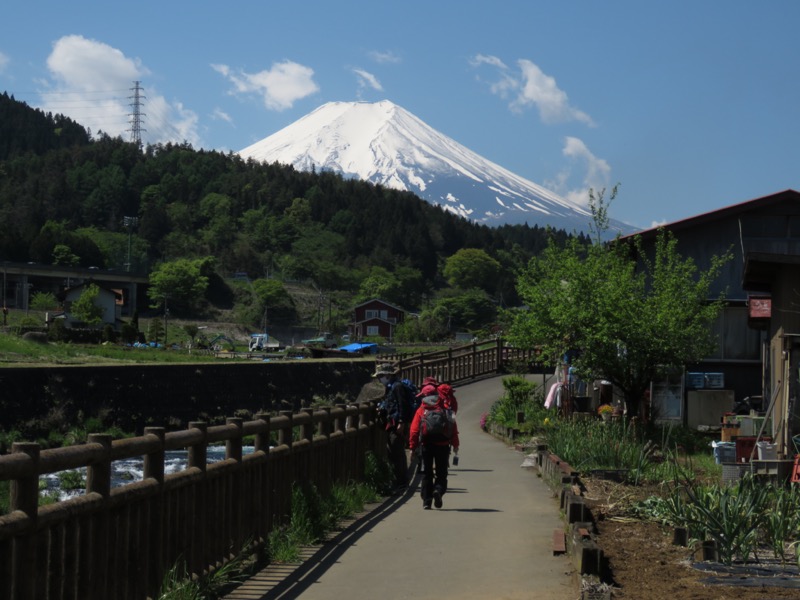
(760, 308)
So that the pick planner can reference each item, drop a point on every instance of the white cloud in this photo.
(90, 65)
(384, 57)
(597, 171)
(482, 59)
(281, 86)
(366, 79)
(542, 91)
(92, 83)
(531, 87)
(4, 62)
(221, 115)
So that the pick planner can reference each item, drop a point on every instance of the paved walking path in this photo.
(492, 539)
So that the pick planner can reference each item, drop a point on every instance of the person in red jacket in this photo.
(445, 391)
(434, 431)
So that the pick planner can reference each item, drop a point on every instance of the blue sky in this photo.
(688, 105)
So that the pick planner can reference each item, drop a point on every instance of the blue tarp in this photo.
(362, 348)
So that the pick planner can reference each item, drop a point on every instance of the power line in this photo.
(136, 122)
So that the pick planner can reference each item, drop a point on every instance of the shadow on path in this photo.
(290, 580)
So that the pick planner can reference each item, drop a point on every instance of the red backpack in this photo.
(448, 397)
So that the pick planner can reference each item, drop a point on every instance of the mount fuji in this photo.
(385, 144)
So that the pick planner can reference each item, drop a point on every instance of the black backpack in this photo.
(436, 425)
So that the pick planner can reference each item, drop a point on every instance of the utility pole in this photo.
(5, 308)
(137, 114)
(166, 312)
(130, 223)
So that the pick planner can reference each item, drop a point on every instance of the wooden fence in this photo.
(117, 542)
(462, 363)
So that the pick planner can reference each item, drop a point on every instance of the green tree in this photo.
(85, 309)
(155, 330)
(467, 309)
(43, 301)
(622, 314)
(180, 284)
(472, 268)
(429, 326)
(62, 255)
(380, 283)
(274, 301)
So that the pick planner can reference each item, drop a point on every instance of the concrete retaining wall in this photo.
(136, 396)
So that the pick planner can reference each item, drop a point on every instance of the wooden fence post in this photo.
(152, 553)
(235, 492)
(285, 434)
(308, 427)
(25, 497)
(98, 481)
(154, 462)
(98, 475)
(262, 438)
(262, 499)
(233, 446)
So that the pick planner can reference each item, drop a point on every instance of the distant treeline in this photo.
(65, 195)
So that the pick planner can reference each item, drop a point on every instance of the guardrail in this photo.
(118, 542)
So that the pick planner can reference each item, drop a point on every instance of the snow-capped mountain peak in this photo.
(383, 143)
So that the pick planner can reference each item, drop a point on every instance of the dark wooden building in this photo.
(758, 349)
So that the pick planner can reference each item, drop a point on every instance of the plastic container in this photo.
(767, 451)
(724, 452)
(746, 447)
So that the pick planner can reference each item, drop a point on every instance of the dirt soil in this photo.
(644, 563)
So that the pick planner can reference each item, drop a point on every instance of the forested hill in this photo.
(64, 196)
(23, 129)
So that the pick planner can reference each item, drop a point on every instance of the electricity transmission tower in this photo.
(137, 114)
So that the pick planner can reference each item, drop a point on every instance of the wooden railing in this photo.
(461, 363)
(117, 542)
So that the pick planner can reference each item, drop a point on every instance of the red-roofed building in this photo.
(376, 318)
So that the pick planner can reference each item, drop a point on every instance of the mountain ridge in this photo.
(385, 144)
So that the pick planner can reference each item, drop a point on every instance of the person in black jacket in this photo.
(398, 409)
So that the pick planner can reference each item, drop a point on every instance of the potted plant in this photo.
(605, 411)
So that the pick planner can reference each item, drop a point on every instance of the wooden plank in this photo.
(559, 542)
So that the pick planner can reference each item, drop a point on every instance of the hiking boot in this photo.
(426, 505)
(437, 499)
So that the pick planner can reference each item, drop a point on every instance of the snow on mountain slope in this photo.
(383, 143)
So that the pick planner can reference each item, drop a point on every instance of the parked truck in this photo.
(326, 340)
(260, 342)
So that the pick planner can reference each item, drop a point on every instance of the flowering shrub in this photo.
(605, 409)
(484, 417)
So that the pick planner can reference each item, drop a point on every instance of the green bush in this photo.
(129, 333)
(57, 331)
(520, 396)
(109, 335)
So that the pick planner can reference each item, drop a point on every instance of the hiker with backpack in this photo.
(396, 411)
(445, 390)
(434, 431)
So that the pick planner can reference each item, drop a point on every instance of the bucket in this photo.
(767, 451)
